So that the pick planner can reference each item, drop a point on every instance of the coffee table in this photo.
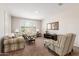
(30, 39)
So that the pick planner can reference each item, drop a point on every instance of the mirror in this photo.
(53, 26)
(49, 26)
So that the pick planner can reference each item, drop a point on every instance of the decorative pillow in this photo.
(11, 35)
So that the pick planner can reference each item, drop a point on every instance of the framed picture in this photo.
(53, 26)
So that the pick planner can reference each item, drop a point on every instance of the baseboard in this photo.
(77, 45)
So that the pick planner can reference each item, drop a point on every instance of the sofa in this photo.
(8, 44)
(63, 45)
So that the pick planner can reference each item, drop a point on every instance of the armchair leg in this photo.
(72, 50)
(44, 44)
(69, 54)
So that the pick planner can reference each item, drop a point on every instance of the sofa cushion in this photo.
(8, 41)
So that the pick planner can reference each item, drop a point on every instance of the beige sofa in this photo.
(63, 45)
(10, 44)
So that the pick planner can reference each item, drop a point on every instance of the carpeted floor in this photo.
(38, 49)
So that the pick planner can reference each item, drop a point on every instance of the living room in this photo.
(33, 22)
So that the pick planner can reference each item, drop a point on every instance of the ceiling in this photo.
(37, 11)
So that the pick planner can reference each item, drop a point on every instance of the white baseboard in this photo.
(75, 44)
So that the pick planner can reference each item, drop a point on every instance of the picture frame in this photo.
(53, 26)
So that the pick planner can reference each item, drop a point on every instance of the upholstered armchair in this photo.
(63, 45)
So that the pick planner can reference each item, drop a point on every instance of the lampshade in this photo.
(37, 30)
(12, 34)
(34, 25)
(16, 30)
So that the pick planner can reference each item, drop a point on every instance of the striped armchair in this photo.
(10, 44)
(63, 45)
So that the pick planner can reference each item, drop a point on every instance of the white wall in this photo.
(68, 22)
(1, 23)
(5, 22)
(18, 22)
